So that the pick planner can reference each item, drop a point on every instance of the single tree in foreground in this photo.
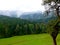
(53, 5)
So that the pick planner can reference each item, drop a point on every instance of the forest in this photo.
(15, 26)
(11, 26)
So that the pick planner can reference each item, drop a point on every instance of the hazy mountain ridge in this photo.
(10, 13)
(30, 16)
(38, 16)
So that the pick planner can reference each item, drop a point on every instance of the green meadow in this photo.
(35, 39)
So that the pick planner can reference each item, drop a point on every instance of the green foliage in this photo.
(15, 26)
(50, 26)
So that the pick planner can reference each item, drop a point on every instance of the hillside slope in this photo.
(40, 39)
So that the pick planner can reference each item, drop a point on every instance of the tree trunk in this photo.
(54, 41)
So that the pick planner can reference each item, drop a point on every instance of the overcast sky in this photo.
(21, 5)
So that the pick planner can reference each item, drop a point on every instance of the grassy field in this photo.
(39, 39)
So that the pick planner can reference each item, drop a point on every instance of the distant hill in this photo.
(30, 16)
(38, 16)
(11, 13)
(12, 20)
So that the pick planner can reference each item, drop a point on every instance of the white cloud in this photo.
(22, 5)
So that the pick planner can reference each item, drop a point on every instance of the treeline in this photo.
(13, 30)
(14, 26)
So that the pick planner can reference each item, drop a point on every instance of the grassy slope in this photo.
(40, 39)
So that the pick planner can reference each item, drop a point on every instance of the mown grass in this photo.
(38, 39)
